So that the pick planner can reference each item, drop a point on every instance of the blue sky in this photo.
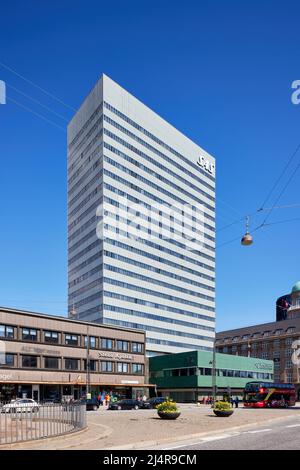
(220, 71)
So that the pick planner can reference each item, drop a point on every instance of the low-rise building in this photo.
(277, 341)
(188, 376)
(45, 357)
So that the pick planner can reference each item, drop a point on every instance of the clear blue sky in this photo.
(220, 71)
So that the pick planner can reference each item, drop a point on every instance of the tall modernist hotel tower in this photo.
(141, 223)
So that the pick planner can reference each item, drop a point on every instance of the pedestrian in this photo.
(144, 398)
(236, 401)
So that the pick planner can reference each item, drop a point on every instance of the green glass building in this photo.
(188, 377)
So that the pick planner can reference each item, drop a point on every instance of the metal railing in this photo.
(20, 423)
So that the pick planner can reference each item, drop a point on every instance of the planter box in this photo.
(223, 414)
(164, 415)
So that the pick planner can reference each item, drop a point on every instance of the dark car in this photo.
(126, 404)
(153, 402)
(92, 404)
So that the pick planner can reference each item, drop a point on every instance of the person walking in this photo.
(236, 401)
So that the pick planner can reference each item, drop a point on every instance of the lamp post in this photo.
(214, 391)
(88, 380)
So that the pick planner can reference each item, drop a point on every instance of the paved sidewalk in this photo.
(142, 428)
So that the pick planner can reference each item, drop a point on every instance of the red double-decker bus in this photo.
(269, 395)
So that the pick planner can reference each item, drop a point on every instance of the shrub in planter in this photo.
(168, 410)
(222, 409)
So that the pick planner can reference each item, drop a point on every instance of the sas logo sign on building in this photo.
(206, 164)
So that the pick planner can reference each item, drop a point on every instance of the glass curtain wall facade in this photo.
(141, 223)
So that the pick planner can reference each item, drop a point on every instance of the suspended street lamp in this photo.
(247, 239)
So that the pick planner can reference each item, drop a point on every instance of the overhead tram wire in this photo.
(36, 114)
(280, 177)
(37, 102)
(51, 95)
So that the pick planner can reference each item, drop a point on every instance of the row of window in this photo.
(167, 193)
(71, 339)
(165, 260)
(157, 293)
(163, 144)
(172, 221)
(143, 326)
(160, 167)
(277, 332)
(126, 234)
(163, 342)
(137, 263)
(165, 308)
(71, 364)
(276, 344)
(157, 282)
(192, 371)
(83, 129)
(161, 178)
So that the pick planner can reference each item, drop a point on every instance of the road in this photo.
(283, 435)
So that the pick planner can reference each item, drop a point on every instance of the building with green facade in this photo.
(187, 376)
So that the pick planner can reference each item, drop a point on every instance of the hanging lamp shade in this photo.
(247, 240)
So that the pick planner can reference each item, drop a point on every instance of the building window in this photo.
(107, 343)
(288, 352)
(137, 347)
(137, 368)
(51, 363)
(92, 341)
(7, 360)
(288, 341)
(71, 364)
(264, 355)
(288, 364)
(92, 363)
(123, 368)
(51, 337)
(107, 366)
(278, 332)
(245, 336)
(291, 329)
(289, 376)
(29, 334)
(236, 338)
(266, 333)
(6, 332)
(122, 345)
(276, 344)
(30, 361)
(71, 340)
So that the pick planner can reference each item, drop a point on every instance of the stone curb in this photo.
(146, 444)
(47, 441)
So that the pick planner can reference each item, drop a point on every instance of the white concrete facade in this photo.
(137, 188)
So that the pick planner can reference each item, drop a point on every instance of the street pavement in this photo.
(197, 426)
(283, 435)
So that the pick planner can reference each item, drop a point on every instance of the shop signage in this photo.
(116, 356)
(5, 377)
(129, 381)
(262, 366)
(34, 349)
(206, 164)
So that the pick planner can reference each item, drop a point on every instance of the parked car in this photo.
(153, 402)
(20, 406)
(126, 404)
(92, 404)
